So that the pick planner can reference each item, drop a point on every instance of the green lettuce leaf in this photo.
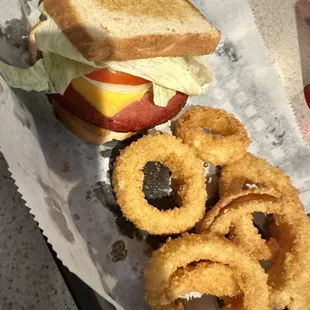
(61, 71)
(51, 74)
(162, 95)
(33, 78)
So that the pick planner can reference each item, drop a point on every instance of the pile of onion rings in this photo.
(228, 244)
(187, 173)
(227, 141)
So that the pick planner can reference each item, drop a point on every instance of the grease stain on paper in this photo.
(228, 49)
(24, 120)
(104, 194)
(55, 201)
(118, 251)
(88, 195)
(76, 217)
(26, 6)
(275, 133)
(1, 89)
(15, 32)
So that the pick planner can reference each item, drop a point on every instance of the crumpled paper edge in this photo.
(298, 123)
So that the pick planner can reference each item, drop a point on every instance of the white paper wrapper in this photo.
(66, 183)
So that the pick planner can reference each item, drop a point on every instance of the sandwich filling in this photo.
(109, 92)
(114, 106)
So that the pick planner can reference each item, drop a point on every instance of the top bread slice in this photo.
(133, 29)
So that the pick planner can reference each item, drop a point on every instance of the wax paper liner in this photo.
(66, 183)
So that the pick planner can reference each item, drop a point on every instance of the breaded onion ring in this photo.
(242, 231)
(177, 305)
(289, 275)
(205, 278)
(187, 173)
(229, 142)
(255, 170)
(187, 249)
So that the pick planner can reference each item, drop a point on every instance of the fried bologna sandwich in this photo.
(118, 67)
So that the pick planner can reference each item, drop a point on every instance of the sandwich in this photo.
(114, 68)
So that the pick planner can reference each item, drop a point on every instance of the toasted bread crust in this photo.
(141, 47)
(33, 52)
(87, 132)
(66, 17)
(136, 47)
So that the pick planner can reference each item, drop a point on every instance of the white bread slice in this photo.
(133, 29)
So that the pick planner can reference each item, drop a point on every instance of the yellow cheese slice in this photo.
(106, 102)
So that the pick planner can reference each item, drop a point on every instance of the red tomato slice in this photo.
(106, 76)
